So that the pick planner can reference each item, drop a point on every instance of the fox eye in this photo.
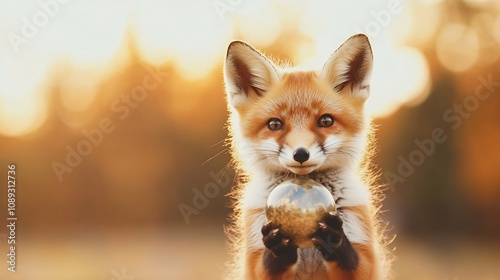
(325, 121)
(275, 124)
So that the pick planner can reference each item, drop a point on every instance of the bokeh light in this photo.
(194, 38)
(403, 79)
(457, 47)
(70, 67)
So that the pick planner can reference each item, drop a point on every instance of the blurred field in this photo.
(199, 253)
(113, 212)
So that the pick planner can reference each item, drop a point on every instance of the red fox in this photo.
(289, 123)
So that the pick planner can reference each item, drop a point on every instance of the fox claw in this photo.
(280, 245)
(332, 242)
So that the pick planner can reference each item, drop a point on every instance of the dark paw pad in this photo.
(283, 252)
(329, 236)
(333, 244)
(276, 241)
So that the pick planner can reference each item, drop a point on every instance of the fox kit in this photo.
(287, 123)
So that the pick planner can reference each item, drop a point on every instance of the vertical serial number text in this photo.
(11, 217)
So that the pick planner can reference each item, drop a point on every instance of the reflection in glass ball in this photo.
(297, 206)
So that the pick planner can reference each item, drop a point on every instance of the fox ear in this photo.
(247, 73)
(350, 66)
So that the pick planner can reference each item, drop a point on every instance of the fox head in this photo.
(286, 120)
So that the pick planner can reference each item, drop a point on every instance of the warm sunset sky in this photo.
(194, 34)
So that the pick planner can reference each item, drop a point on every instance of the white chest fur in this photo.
(346, 188)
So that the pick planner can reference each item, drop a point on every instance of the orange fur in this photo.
(368, 261)
(258, 91)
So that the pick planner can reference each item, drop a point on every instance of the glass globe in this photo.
(297, 206)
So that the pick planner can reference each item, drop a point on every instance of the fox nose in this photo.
(301, 155)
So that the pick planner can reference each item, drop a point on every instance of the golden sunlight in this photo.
(193, 38)
(401, 76)
(457, 47)
(22, 103)
(114, 124)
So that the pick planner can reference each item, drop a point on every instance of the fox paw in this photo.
(280, 246)
(332, 242)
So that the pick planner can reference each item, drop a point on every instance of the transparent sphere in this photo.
(297, 206)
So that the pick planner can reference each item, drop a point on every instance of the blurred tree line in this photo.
(168, 148)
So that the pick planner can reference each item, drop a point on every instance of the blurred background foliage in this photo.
(120, 206)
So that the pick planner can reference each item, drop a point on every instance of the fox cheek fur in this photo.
(302, 103)
(286, 123)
